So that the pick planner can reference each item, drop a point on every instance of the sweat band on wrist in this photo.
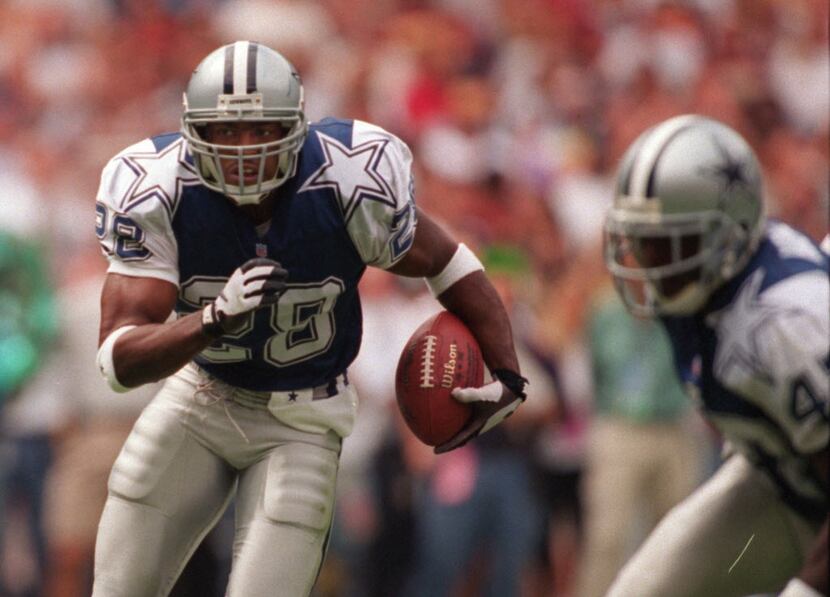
(105, 361)
(462, 263)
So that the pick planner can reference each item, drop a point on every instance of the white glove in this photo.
(492, 403)
(491, 392)
(256, 283)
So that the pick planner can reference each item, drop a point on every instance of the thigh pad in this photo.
(300, 483)
(151, 447)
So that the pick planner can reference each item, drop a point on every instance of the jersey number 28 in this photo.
(302, 321)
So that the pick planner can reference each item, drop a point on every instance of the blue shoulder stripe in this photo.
(781, 269)
(163, 140)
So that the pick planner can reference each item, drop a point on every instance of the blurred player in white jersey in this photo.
(745, 303)
(255, 227)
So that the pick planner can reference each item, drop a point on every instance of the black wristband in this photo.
(512, 380)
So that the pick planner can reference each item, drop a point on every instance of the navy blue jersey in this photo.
(757, 360)
(349, 205)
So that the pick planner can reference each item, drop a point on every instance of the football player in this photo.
(254, 227)
(745, 303)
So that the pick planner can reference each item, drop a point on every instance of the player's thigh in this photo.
(284, 510)
(165, 491)
(731, 537)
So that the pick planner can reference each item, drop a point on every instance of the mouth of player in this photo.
(250, 176)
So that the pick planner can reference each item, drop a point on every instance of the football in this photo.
(441, 354)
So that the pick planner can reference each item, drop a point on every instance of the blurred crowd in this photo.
(517, 112)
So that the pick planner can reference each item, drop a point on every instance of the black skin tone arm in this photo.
(473, 298)
(156, 349)
(475, 301)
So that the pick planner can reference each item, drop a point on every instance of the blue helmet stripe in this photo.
(228, 82)
(252, 52)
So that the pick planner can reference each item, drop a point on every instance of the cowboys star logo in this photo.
(351, 173)
(730, 171)
(152, 176)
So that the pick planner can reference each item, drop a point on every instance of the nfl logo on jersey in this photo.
(261, 250)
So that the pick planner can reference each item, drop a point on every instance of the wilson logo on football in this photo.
(427, 356)
(449, 368)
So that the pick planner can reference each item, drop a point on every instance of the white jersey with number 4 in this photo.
(758, 359)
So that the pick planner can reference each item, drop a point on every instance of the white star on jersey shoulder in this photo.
(351, 173)
(153, 170)
(743, 340)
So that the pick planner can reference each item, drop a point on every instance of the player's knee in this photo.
(300, 486)
(146, 455)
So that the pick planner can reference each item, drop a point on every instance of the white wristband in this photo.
(105, 362)
(463, 262)
(798, 588)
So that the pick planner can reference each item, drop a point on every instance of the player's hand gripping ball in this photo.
(441, 355)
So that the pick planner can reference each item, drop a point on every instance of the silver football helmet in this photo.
(687, 215)
(244, 82)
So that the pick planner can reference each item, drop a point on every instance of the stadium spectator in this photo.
(643, 455)
(29, 401)
(96, 423)
(478, 514)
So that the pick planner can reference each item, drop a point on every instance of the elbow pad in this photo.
(105, 362)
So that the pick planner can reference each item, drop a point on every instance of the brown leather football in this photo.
(440, 355)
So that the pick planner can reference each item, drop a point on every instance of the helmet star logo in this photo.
(351, 173)
(730, 171)
(152, 176)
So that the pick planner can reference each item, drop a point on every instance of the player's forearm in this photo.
(151, 352)
(474, 300)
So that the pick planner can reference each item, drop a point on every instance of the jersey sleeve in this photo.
(382, 220)
(132, 219)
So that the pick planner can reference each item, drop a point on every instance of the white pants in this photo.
(731, 537)
(178, 470)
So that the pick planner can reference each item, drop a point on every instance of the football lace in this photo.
(427, 362)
